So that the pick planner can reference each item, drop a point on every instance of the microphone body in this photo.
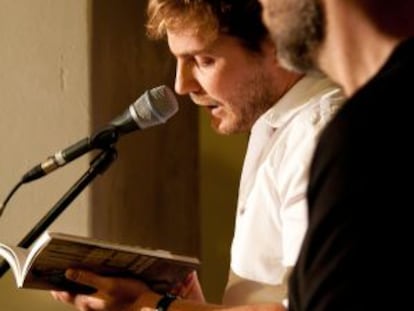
(154, 107)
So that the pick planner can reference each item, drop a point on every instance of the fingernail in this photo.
(71, 274)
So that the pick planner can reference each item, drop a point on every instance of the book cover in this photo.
(44, 264)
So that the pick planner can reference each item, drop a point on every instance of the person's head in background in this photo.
(226, 60)
(348, 39)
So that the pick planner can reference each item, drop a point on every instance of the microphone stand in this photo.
(98, 166)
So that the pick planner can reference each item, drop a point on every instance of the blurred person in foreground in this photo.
(360, 230)
(226, 63)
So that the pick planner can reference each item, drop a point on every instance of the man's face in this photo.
(233, 84)
(297, 28)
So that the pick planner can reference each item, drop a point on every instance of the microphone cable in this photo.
(9, 196)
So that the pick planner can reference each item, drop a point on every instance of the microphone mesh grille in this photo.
(155, 106)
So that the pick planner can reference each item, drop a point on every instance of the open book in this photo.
(44, 264)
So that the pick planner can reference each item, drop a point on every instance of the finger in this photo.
(55, 295)
(83, 302)
(62, 296)
(192, 289)
(86, 278)
(187, 285)
(97, 303)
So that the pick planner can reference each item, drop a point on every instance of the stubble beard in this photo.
(256, 97)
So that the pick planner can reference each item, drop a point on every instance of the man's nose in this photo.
(185, 82)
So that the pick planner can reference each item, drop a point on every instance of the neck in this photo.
(355, 48)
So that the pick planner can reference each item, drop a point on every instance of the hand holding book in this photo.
(43, 265)
(111, 293)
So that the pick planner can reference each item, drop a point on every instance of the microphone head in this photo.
(154, 107)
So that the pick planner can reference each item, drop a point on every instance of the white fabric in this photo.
(272, 215)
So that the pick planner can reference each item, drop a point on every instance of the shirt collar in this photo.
(306, 88)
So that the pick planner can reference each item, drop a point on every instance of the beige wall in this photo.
(45, 93)
(67, 68)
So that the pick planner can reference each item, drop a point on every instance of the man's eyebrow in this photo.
(208, 48)
(190, 53)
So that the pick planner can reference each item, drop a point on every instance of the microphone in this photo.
(154, 107)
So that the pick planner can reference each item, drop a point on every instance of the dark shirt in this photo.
(356, 254)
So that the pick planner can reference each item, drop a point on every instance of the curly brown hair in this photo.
(238, 18)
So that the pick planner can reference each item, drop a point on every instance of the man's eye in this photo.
(205, 61)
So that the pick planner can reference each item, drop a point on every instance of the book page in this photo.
(16, 257)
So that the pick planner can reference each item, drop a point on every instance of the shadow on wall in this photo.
(220, 162)
(151, 192)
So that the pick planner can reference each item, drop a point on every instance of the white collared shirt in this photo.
(271, 215)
